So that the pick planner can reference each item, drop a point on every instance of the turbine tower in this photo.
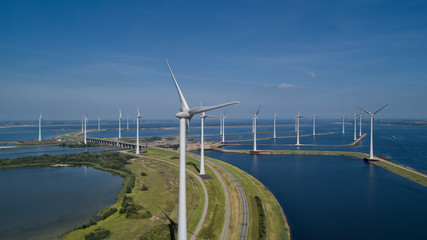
(85, 121)
(371, 148)
(297, 118)
(220, 126)
(274, 127)
(355, 125)
(138, 117)
(185, 114)
(255, 116)
(360, 125)
(120, 123)
(223, 128)
(343, 122)
(83, 118)
(314, 124)
(40, 126)
(127, 123)
(99, 123)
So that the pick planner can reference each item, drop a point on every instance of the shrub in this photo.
(144, 188)
(105, 213)
(98, 234)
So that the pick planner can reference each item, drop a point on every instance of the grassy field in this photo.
(403, 171)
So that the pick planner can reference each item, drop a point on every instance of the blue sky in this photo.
(67, 58)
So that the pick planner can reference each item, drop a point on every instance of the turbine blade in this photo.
(137, 108)
(258, 110)
(211, 116)
(380, 109)
(364, 110)
(197, 110)
(184, 105)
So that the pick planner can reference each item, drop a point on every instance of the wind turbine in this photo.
(360, 125)
(202, 142)
(185, 114)
(297, 118)
(355, 125)
(127, 123)
(138, 117)
(296, 122)
(120, 123)
(371, 148)
(255, 116)
(85, 121)
(343, 122)
(274, 127)
(314, 124)
(40, 126)
(223, 127)
(99, 123)
(83, 117)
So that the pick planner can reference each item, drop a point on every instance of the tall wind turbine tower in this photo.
(223, 128)
(185, 114)
(343, 123)
(83, 118)
(99, 123)
(274, 126)
(138, 117)
(40, 126)
(355, 126)
(85, 121)
(255, 116)
(314, 124)
(297, 118)
(371, 148)
(127, 123)
(360, 125)
(120, 123)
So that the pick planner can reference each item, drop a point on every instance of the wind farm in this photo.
(103, 133)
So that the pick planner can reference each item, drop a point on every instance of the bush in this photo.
(174, 157)
(261, 219)
(131, 184)
(105, 213)
(144, 188)
(98, 234)
(88, 224)
(143, 174)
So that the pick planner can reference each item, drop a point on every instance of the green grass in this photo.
(402, 171)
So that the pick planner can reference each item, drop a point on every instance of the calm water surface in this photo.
(42, 203)
(330, 197)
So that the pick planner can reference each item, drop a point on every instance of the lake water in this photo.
(330, 197)
(42, 203)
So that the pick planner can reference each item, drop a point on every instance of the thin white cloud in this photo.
(285, 86)
(311, 74)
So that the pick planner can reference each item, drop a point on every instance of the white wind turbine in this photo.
(40, 126)
(314, 124)
(83, 118)
(85, 122)
(127, 123)
(274, 126)
(120, 123)
(255, 116)
(343, 123)
(202, 142)
(185, 114)
(371, 148)
(355, 126)
(223, 128)
(360, 125)
(297, 118)
(138, 117)
(99, 123)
